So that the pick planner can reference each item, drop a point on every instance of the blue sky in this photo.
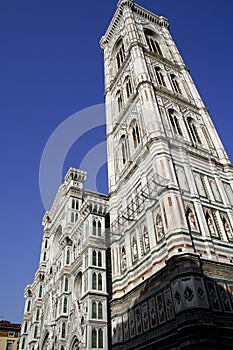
(51, 67)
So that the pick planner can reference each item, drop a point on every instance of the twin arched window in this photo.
(159, 76)
(97, 281)
(135, 135)
(152, 42)
(97, 310)
(128, 86)
(175, 122)
(120, 53)
(97, 338)
(175, 84)
(96, 228)
(96, 258)
(193, 130)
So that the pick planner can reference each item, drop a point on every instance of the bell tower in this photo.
(171, 198)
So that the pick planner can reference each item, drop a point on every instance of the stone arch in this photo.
(74, 344)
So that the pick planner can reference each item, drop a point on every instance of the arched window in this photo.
(29, 305)
(99, 228)
(128, 86)
(94, 227)
(35, 331)
(94, 280)
(25, 327)
(66, 285)
(99, 281)
(63, 330)
(123, 149)
(94, 309)
(193, 130)
(23, 343)
(94, 338)
(100, 310)
(119, 100)
(94, 258)
(135, 135)
(152, 42)
(65, 306)
(99, 259)
(46, 244)
(174, 122)
(120, 53)
(40, 291)
(44, 256)
(67, 257)
(175, 84)
(37, 314)
(100, 338)
(159, 76)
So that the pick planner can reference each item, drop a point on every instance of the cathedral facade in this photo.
(150, 265)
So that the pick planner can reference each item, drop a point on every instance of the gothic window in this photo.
(193, 130)
(159, 76)
(227, 227)
(175, 122)
(40, 291)
(120, 53)
(100, 338)
(191, 219)
(128, 86)
(35, 331)
(94, 309)
(100, 310)
(152, 42)
(94, 280)
(123, 149)
(67, 257)
(94, 338)
(135, 134)
(99, 259)
(65, 305)
(99, 281)
(46, 244)
(94, 258)
(44, 256)
(66, 287)
(94, 227)
(63, 330)
(29, 305)
(159, 227)
(25, 327)
(119, 100)
(37, 314)
(74, 204)
(175, 84)
(99, 228)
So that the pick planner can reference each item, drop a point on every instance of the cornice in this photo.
(158, 20)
